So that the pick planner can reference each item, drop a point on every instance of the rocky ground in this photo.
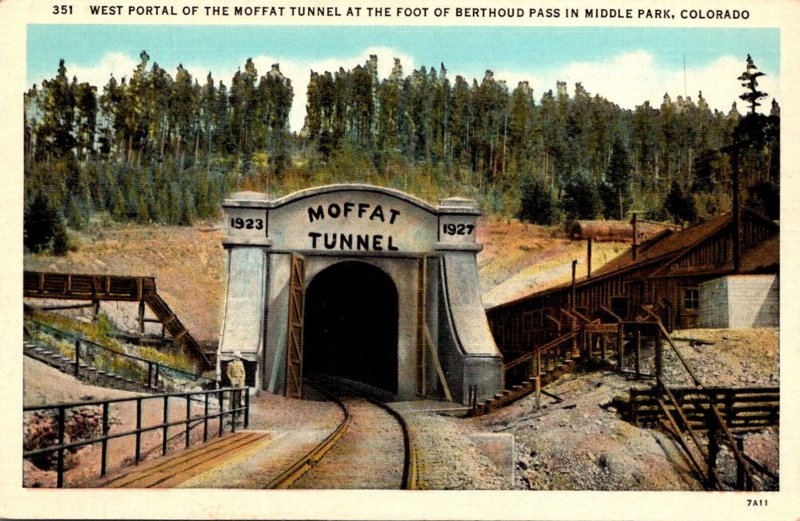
(582, 443)
(448, 460)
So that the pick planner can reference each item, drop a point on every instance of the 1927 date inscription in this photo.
(457, 229)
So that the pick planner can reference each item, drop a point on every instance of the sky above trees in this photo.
(625, 65)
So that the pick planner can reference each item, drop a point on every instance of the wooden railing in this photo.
(73, 286)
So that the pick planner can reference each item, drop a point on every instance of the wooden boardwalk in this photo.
(173, 470)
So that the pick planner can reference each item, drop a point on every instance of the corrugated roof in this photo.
(669, 245)
(764, 256)
(666, 245)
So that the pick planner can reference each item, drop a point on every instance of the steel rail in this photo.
(309, 459)
(410, 475)
(312, 457)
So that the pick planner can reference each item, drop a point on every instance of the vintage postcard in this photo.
(399, 260)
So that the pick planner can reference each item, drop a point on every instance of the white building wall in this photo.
(740, 301)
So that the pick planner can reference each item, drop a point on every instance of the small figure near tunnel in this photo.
(235, 372)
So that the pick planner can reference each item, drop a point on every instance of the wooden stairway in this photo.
(547, 375)
(173, 325)
(87, 373)
(518, 391)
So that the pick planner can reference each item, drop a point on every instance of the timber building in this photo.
(663, 275)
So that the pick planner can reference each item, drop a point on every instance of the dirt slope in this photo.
(188, 263)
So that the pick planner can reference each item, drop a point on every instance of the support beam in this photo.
(713, 451)
(589, 258)
(659, 357)
(638, 357)
(141, 313)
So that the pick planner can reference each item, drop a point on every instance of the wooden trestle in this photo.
(97, 288)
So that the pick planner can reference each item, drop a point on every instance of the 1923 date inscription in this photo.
(247, 224)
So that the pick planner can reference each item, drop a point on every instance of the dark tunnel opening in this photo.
(351, 315)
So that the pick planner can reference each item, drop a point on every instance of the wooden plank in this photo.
(439, 372)
(201, 453)
(210, 458)
(294, 340)
(601, 328)
(186, 472)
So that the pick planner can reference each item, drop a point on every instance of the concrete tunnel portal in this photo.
(350, 325)
(363, 282)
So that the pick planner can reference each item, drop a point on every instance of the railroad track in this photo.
(364, 455)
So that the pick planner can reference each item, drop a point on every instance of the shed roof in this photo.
(668, 245)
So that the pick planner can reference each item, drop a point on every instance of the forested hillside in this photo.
(154, 147)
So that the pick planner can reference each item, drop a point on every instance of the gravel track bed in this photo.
(446, 457)
(369, 455)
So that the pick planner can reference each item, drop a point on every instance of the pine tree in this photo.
(42, 225)
(749, 79)
(580, 199)
(616, 191)
(60, 239)
(119, 209)
(536, 204)
(75, 216)
(680, 204)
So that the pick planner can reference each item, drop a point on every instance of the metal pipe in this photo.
(221, 401)
(165, 426)
(62, 413)
(188, 418)
(574, 265)
(77, 358)
(246, 407)
(104, 443)
(205, 419)
(138, 430)
(234, 407)
(589, 258)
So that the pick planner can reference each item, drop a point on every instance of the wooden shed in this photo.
(663, 273)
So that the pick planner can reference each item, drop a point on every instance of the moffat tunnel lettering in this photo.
(352, 241)
(349, 241)
(336, 210)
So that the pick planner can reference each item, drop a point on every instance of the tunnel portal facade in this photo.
(366, 283)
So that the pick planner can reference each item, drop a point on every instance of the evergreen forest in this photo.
(168, 148)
